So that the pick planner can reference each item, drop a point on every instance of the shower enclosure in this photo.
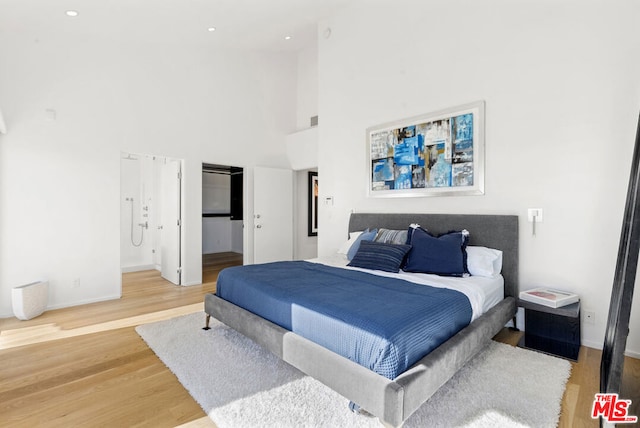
(150, 192)
(137, 213)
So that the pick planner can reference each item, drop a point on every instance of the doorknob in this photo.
(258, 226)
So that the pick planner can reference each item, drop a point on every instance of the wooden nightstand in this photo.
(553, 331)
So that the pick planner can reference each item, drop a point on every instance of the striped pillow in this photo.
(390, 236)
(380, 256)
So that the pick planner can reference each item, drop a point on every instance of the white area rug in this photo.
(240, 384)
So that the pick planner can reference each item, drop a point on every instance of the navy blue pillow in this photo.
(444, 255)
(380, 256)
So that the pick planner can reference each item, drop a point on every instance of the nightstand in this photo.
(553, 331)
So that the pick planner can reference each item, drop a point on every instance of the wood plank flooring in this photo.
(105, 375)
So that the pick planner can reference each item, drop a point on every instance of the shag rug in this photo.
(240, 384)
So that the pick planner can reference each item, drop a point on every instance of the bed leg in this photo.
(515, 327)
(206, 323)
(355, 408)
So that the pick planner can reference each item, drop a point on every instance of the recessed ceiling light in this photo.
(72, 13)
(211, 29)
(287, 37)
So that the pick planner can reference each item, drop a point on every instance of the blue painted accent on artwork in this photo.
(463, 125)
(403, 177)
(406, 152)
(383, 170)
(463, 145)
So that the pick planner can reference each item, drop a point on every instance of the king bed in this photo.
(385, 339)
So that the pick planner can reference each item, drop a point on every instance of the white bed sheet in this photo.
(483, 292)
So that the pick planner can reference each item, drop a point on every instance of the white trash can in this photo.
(30, 300)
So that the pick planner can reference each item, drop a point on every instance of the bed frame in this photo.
(393, 401)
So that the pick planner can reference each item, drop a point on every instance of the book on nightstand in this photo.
(549, 297)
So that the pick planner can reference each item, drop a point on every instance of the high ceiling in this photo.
(239, 24)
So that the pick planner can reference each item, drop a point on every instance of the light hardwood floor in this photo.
(97, 371)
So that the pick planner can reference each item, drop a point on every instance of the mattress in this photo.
(385, 324)
(483, 292)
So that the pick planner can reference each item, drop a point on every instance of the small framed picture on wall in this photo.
(313, 203)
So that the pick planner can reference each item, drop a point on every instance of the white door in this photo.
(170, 218)
(273, 214)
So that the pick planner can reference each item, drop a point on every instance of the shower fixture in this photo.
(144, 226)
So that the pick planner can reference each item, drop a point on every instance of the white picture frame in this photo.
(436, 154)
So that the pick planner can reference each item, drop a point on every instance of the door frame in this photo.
(156, 189)
(245, 200)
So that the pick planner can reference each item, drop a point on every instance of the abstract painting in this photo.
(435, 154)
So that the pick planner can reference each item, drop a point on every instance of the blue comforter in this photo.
(381, 323)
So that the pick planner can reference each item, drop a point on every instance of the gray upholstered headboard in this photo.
(493, 231)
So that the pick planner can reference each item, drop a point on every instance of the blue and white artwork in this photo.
(382, 144)
(462, 174)
(408, 150)
(417, 177)
(403, 177)
(463, 127)
(429, 154)
(463, 152)
(383, 170)
(438, 171)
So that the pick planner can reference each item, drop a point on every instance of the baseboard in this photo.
(632, 354)
(599, 345)
(591, 344)
(140, 268)
(189, 284)
(84, 302)
(68, 305)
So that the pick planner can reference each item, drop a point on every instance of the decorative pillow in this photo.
(380, 256)
(367, 235)
(390, 236)
(441, 255)
(344, 248)
(483, 261)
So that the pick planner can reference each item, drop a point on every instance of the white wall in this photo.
(60, 192)
(307, 86)
(560, 81)
(216, 235)
(237, 237)
(305, 246)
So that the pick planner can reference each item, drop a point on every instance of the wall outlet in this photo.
(76, 283)
(589, 317)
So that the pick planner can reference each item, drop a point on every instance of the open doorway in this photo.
(222, 219)
(150, 214)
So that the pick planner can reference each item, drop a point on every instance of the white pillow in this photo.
(483, 261)
(344, 248)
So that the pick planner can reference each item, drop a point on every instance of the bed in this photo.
(392, 395)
